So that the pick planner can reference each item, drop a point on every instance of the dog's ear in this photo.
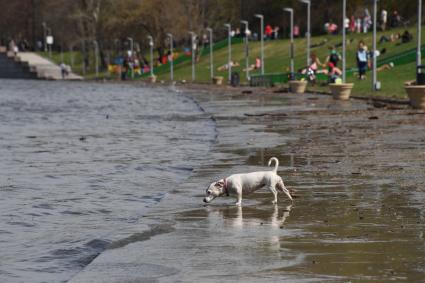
(220, 183)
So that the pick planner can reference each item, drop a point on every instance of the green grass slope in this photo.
(277, 61)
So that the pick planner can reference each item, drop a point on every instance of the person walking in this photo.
(384, 19)
(352, 24)
(367, 20)
(359, 25)
(362, 59)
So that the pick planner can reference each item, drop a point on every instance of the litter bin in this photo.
(420, 75)
(235, 79)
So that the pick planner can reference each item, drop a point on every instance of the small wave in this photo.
(20, 223)
(70, 212)
(43, 206)
(154, 198)
(98, 244)
(139, 237)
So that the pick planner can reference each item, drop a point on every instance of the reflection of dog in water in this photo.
(252, 216)
(239, 184)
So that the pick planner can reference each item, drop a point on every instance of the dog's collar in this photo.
(226, 191)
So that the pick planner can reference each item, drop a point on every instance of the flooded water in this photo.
(82, 163)
(358, 213)
(114, 172)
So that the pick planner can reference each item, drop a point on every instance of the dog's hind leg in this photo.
(274, 192)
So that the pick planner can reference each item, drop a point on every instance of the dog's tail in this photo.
(276, 163)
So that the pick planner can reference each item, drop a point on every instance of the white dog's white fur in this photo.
(239, 184)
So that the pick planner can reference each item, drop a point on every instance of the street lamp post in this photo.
(96, 56)
(419, 39)
(261, 17)
(308, 34)
(229, 53)
(131, 56)
(291, 12)
(170, 37)
(61, 46)
(193, 50)
(44, 35)
(151, 53)
(211, 53)
(246, 49)
(374, 73)
(344, 39)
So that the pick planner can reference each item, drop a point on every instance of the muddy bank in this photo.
(358, 172)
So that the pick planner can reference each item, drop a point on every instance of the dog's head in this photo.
(287, 193)
(282, 188)
(214, 190)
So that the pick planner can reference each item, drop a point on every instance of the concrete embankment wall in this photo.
(13, 69)
(29, 65)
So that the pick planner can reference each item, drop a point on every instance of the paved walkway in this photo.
(45, 68)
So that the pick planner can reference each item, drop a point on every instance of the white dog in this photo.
(239, 184)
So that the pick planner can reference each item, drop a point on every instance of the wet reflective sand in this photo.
(358, 214)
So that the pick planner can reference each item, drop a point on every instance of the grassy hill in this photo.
(277, 61)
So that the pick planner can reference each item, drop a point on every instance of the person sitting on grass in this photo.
(333, 56)
(255, 66)
(226, 66)
(334, 73)
(406, 37)
(313, 68)
(384, 67)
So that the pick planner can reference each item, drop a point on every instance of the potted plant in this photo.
(218, 80)
(341, 91)
(152, 79)
(416, 89)
(416, 94)
(298, 87)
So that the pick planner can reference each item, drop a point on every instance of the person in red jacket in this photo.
(268, 31)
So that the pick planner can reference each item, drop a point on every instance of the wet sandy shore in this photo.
(358, 215)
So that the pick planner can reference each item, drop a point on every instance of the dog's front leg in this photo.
(274, 192)
(238, 196)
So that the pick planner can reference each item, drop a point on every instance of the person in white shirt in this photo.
(384, 18)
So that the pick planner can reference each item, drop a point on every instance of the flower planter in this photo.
(416, 95)
(341, 91)
(218, 80)
(152, 79)
(297, 86)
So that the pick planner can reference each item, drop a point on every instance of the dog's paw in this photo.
(238, 203)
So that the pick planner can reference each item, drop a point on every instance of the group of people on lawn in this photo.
(330, 67)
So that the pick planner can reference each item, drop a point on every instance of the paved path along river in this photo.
(358, 212)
